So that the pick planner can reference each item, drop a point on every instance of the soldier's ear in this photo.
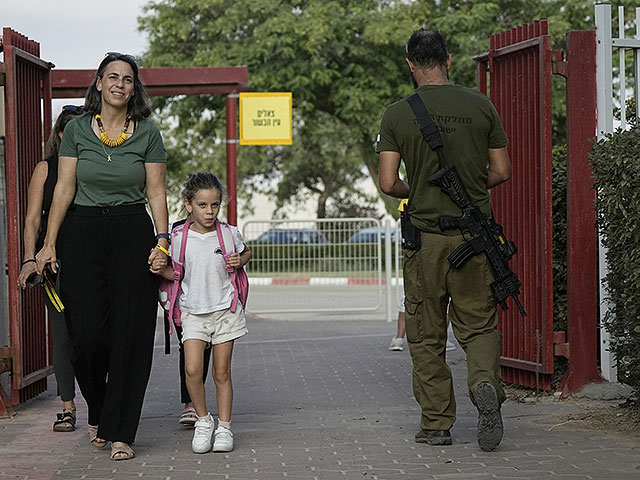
(412, 67)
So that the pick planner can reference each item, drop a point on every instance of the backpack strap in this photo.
(226, 253)
(178, 268)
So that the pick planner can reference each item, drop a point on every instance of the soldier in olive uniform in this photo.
(475, 142)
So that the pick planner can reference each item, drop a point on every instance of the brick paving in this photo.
(319, 400)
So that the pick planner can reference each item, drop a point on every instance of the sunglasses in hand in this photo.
(47, 276)
(48, 281)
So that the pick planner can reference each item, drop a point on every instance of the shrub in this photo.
(616, 166)
(559, 196)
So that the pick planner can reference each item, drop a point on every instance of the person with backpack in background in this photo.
(40, 196)
(188, 416)
(210, 308)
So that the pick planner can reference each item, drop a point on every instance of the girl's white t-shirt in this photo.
(206, 285)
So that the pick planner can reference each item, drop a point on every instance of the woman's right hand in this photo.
(25, 272)
(44, 256)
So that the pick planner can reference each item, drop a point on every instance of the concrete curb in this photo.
(321, 281)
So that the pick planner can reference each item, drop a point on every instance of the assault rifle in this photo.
(485, 235)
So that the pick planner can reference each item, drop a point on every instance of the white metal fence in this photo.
(606, 44)
(323, 265)
(605, 68)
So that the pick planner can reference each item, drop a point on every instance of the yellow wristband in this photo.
(163, 250)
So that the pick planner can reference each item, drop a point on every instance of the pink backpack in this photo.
(170, 290)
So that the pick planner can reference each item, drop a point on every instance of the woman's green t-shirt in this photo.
(121, 181)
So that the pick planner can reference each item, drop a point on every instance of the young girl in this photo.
(207, 294)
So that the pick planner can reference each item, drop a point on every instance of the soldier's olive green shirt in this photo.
(469, 125)
(121, 181)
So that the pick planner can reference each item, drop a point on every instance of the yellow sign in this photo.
(266, 118)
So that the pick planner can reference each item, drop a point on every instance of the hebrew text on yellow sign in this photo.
(265, 118)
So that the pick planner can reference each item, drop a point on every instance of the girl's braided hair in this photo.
(201, 181)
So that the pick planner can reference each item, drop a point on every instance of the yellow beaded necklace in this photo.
(104, 138)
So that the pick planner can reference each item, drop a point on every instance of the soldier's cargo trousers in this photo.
(432, 286)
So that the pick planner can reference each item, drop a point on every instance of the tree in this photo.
(343, 61)
(468, 25)
(340, 65)
(322, 164)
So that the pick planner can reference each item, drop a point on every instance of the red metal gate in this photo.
(519, 67)
(27, 115)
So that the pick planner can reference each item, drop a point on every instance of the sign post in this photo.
(232, 161)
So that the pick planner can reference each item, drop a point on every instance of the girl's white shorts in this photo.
(215, 327)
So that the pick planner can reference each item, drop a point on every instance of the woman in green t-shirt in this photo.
(116, 157)
(43, 181)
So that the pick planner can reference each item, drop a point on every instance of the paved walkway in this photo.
(319, 400)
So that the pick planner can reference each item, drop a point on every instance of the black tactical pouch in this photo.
(410, 234)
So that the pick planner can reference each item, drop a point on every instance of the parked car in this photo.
(370, 235)
(292, 236)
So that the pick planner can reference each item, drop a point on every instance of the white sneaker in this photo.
(204, 427)
(397, 344)
(223, 440)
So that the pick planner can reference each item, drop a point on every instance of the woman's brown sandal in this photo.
(66, 421)
(93, 437)
(122, 449)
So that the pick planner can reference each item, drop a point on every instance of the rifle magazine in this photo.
(460, 255)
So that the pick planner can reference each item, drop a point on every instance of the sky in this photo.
(77, 33)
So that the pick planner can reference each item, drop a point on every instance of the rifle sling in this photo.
(427, 127)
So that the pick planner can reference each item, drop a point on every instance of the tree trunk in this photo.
(322, 203)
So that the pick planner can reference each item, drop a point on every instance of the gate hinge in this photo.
(558, 65)
(560, 344)
(6, 359)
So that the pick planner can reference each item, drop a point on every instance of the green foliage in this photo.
(343, 61)
(468, 24)
(616, 167)
(630, 112)
(559, 206)
(330, 168)
(559, 201)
